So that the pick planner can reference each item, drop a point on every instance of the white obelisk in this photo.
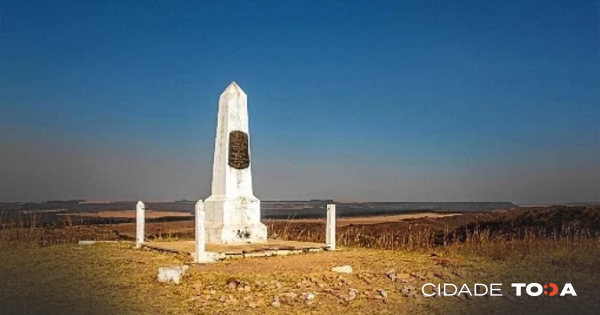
(232, 210)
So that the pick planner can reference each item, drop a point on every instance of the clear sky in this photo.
(350, 100)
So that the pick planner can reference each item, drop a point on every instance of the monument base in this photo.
(218, 233)
(234, 220)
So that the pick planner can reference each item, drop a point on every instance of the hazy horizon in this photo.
(389, 101)
(85, 201)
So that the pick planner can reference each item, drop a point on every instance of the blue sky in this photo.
(351, 100)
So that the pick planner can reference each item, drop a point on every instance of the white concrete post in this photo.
(200, 253)
(330, 231)
(140, 210)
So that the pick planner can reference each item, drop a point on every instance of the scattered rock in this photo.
(342, 269)
(307, 297)
(171, 274)
(352, 294)
(391, 274)
(382, 293)
(232, 283)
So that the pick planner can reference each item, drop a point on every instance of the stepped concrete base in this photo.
(235, 233)
(222, 251)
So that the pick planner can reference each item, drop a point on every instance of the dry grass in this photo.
(116, 279)
(569, 226)
(346, 221)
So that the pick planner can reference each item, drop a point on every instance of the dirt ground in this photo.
(116, 279)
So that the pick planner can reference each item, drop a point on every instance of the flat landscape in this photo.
(130, 214)
(392, 257)
(120, 280)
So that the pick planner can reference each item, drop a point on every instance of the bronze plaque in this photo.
(239, 156)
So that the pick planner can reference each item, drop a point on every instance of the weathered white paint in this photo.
(200, 255)
(342, 269)
(232, 210)
(171, 274)
(330, 229)
(140, 210)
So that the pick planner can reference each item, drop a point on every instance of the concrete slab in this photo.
(222, 251)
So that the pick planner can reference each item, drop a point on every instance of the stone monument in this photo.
(232, 210)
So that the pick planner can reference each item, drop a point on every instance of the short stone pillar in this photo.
(330, 230)
(200, 251)
(140, 213)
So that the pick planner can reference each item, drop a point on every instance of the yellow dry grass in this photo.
(117, 279)
(345, 221)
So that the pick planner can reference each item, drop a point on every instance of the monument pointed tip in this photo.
(233, 88)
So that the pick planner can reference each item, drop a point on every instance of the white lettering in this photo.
(480, 285)
(465, 287)
(539, 290)
(433, 290)
(568, 289)
(446, 292)
(492, 289)
(518, 287)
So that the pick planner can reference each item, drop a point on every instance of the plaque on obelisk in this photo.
(232, 210)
